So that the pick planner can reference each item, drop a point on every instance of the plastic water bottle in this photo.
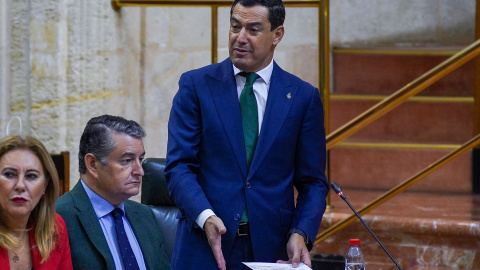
(354, 259)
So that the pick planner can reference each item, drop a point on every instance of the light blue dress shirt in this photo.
(102, 209)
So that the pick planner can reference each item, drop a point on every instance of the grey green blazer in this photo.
(88, 245)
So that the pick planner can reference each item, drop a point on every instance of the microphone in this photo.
(339, 192)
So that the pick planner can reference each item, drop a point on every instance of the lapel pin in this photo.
(289, 95)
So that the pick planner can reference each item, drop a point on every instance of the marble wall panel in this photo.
(401, 23)
(5, 28)
(19, 53)
(176, 40)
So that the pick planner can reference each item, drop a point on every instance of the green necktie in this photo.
(248, 108)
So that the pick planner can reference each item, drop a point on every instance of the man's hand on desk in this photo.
(297, 251)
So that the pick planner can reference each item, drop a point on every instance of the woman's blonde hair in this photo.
(43, 217)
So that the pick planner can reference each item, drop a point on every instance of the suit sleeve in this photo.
(310, 180)
(66, 260)
(184, 138)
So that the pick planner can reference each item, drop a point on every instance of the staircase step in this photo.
(421, 120)
(421, 230)
(385, 167)
(384, 71)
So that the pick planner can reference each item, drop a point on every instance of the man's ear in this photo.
(278, 34)
(92, 164)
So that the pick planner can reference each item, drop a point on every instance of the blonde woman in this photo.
(32, 235)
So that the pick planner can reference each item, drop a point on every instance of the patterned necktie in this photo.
(248, 108)
(128, 258)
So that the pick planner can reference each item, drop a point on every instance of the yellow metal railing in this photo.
(387, 105)
(476, 112)
(150, 3)
(404, 93)
(399, 188)
(396, 99)
(476, 108)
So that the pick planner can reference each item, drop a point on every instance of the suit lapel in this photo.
(223, 89)
(280, 97)
(89, 221)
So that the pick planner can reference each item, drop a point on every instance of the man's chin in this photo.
(132, 193)
(240, 63)
(133, 190)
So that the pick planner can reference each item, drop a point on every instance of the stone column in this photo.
(4, 64)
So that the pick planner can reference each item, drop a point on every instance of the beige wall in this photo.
(65, 61)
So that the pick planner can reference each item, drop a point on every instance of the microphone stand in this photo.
(339, 192)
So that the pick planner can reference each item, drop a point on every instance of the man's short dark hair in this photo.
(276, 10)
(97, 137)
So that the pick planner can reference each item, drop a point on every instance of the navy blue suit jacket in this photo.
(207, 167)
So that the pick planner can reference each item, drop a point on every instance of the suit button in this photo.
(236, 217)
(248, 185)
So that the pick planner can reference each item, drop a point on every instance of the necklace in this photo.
(15, 257)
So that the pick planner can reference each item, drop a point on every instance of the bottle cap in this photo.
(354, 242)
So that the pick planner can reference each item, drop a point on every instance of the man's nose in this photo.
(242, 36)
(138, 170)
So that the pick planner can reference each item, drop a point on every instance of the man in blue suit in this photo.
(232, 166)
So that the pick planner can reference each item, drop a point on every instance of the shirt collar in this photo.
(265, 73)
(101, 206)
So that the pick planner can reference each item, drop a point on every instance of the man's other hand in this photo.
(214, 229)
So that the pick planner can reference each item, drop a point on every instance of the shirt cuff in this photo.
(204, 215)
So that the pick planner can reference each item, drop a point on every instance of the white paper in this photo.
(275, 266)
